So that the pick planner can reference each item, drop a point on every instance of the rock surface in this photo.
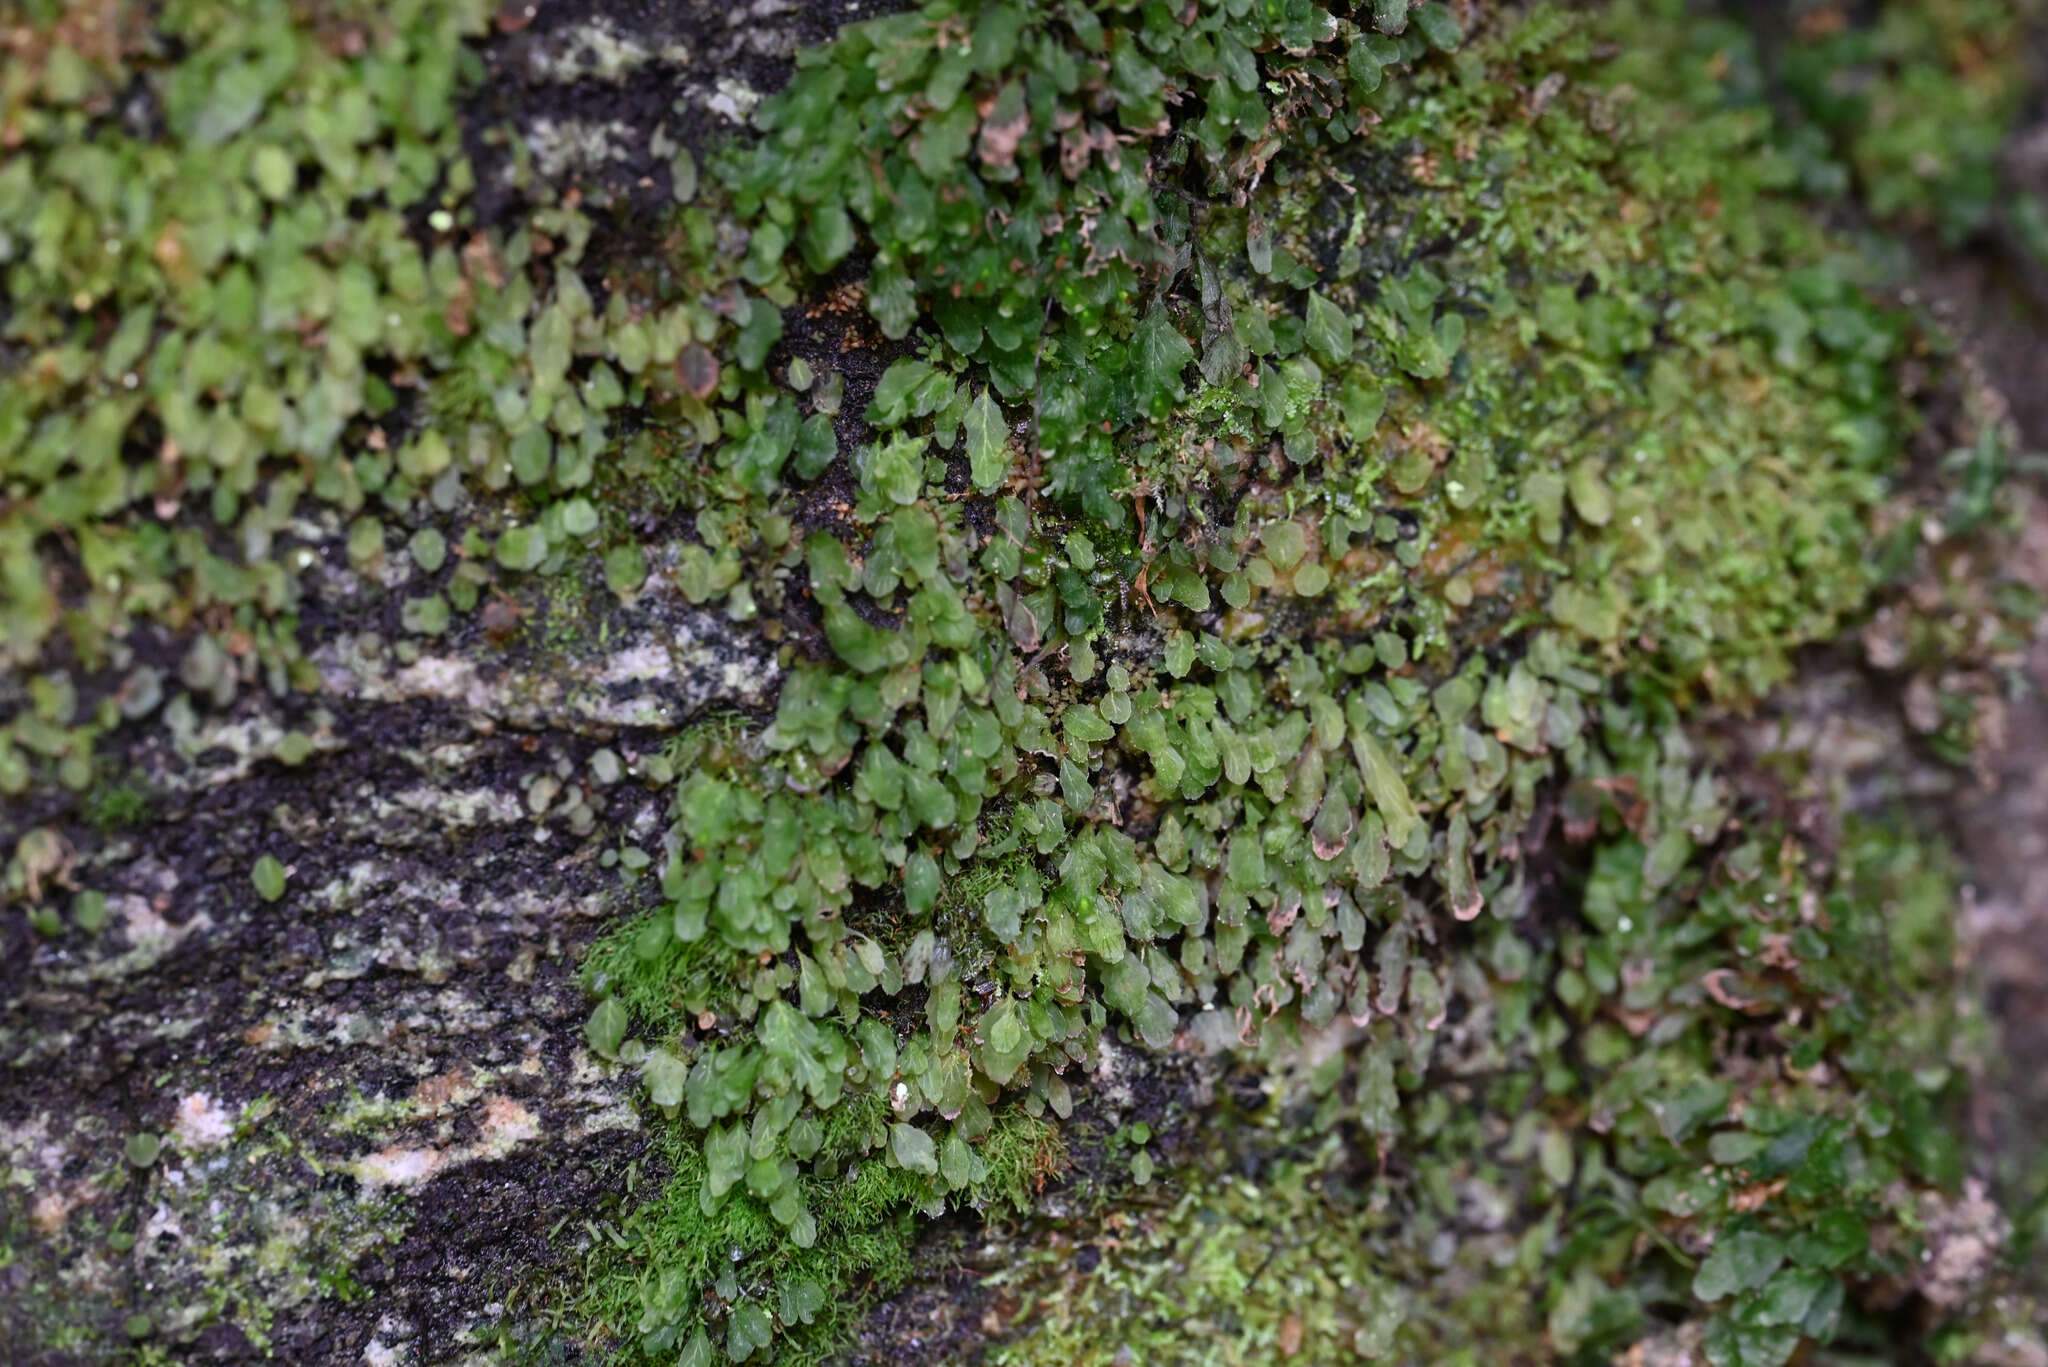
(345, 1125)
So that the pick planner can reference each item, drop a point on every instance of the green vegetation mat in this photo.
(1252, 507)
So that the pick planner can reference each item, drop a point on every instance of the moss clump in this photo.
(1221, 479)
(215, 298)
(1203, 715)
(1718, 1115)
(1913, 105)
(653, 1266)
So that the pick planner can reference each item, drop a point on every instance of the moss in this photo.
(1218, 485)
(683, 1272)
(116, 805)
(226, 1228)
(1912, 103)
(1725, 1146)
(1214, 741)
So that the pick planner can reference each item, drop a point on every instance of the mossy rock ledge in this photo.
(1244, 681)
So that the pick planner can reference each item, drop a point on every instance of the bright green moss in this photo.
(653, 1268)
